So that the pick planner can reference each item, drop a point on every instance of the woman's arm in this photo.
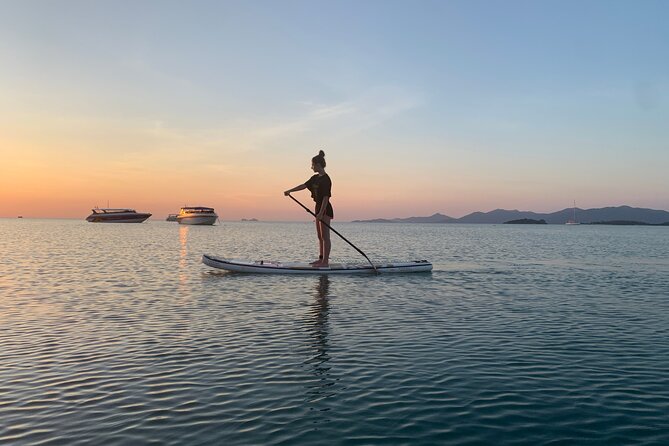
(295, 189)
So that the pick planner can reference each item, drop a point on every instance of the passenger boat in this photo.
(197, 215)
(274, 267)
(106, 215)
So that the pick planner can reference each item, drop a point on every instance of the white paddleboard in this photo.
(273, 267)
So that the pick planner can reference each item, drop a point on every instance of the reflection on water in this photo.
(183, 254)
(532, 335)
(322, 387)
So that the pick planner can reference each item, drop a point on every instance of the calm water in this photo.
(117, 334)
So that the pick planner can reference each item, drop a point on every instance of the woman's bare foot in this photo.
(320, 264)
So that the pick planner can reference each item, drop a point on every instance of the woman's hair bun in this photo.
(319, 159)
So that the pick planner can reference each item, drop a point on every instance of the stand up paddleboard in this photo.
(272, 267)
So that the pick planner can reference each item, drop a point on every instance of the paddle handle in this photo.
(336, 232)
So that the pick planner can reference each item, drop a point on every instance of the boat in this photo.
(274, 267)
(107, 215)
(573, 221)
(197, 215)
(171, 217)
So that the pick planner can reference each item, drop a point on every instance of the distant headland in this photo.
(608, 215)
(525, 221)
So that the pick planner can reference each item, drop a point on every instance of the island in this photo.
(434, 218)
(526, 221)
(249, 219)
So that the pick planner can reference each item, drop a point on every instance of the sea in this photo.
(117, 334)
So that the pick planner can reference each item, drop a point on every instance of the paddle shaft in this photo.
(335, 231)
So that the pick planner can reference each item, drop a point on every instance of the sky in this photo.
(420, 106)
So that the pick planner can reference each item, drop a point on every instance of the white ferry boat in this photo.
(197, 215)
(106, 215)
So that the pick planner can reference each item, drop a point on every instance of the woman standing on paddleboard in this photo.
(320, 187)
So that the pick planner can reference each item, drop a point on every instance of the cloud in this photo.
(369, 109)
(235, 145)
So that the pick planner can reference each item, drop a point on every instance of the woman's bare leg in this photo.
(319, 233)
(326, 244)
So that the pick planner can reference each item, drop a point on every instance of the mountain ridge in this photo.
(499, 216)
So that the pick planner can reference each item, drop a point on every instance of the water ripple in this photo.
(519, 336)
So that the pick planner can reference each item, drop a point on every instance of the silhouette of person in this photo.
(320, 187)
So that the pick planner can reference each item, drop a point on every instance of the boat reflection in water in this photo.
(197, 215)
(183, 255)
(107, 215)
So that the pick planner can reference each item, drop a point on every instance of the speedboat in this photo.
(106, 215)
(171, 217)
(197, 215)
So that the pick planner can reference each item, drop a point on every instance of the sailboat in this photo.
(573, 221)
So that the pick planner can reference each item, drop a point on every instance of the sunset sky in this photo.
(420, 106)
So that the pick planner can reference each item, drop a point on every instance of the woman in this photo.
(320, 187)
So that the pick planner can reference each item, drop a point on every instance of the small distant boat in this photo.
(573, 221)
(106, 215)
(197, 215)
(171, 217)
(20, 216)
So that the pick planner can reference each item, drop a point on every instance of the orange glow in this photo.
(63, 176)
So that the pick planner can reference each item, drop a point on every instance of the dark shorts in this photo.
(329, 211)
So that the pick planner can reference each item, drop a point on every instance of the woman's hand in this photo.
(286, 193)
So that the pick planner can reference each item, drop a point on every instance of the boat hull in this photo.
(197, 220)
(271, 267)
(101, 218)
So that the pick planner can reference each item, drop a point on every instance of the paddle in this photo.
(333, 230)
